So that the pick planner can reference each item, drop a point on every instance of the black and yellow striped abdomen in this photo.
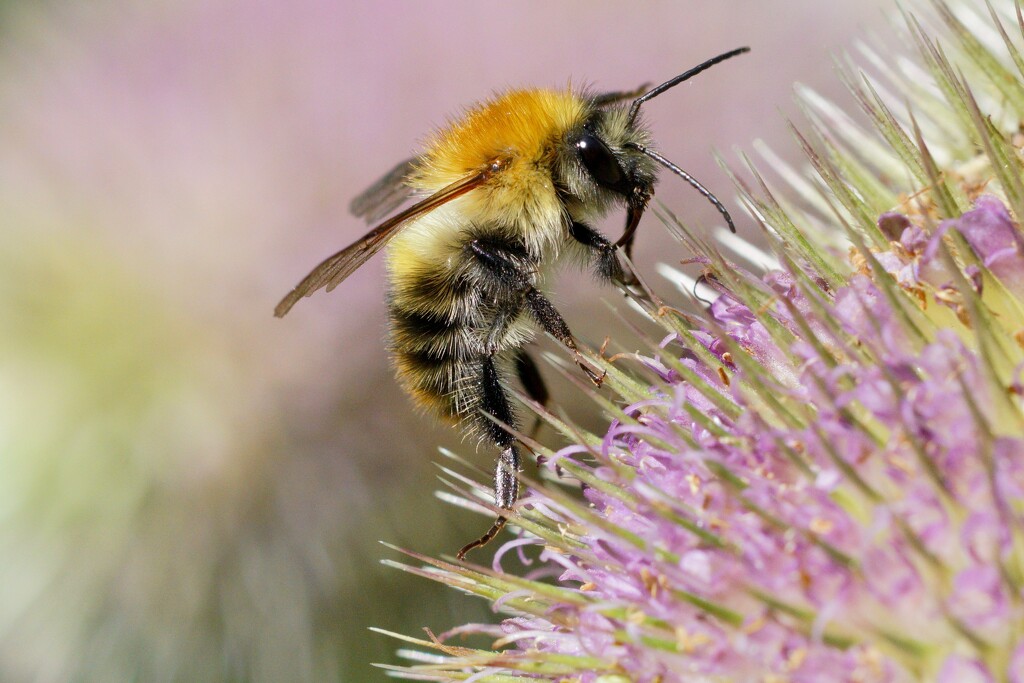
(449, 314)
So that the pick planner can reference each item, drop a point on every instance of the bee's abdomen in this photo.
(438, 359)
(454, 314)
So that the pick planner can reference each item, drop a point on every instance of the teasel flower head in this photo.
(820, 475)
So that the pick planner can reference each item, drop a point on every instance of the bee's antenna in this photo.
(688, 178)
(654, 92)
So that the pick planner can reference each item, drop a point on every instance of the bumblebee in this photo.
(507, 191)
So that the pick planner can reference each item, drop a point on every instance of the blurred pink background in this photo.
(193, 489)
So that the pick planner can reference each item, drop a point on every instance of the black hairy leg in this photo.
(545, 313)
(503, 266)
(509, 270)
(507, 273)
(506, 486)
(608, 266)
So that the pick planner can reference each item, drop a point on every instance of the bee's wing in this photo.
(385, 195)
(605, 99)
(331, 272)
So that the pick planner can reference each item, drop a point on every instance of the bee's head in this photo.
(602, 163)
(607, 159)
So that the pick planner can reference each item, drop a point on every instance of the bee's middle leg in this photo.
(507, 271)
(545, 313)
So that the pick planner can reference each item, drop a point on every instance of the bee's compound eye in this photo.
(600, 161)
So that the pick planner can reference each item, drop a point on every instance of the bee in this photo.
(505, 193)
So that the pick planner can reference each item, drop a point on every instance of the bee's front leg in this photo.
(606, 257)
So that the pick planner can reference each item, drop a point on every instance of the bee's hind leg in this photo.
(506, 486)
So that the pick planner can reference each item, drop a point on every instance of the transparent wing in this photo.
(608, 98)
(385, 195)
(333, 271)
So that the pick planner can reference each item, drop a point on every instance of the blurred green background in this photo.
(190, 489)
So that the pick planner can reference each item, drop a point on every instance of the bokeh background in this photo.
(190, 489)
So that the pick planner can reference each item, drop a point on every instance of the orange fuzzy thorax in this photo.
(526, 124)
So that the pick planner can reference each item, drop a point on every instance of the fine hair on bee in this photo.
(505, 192)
